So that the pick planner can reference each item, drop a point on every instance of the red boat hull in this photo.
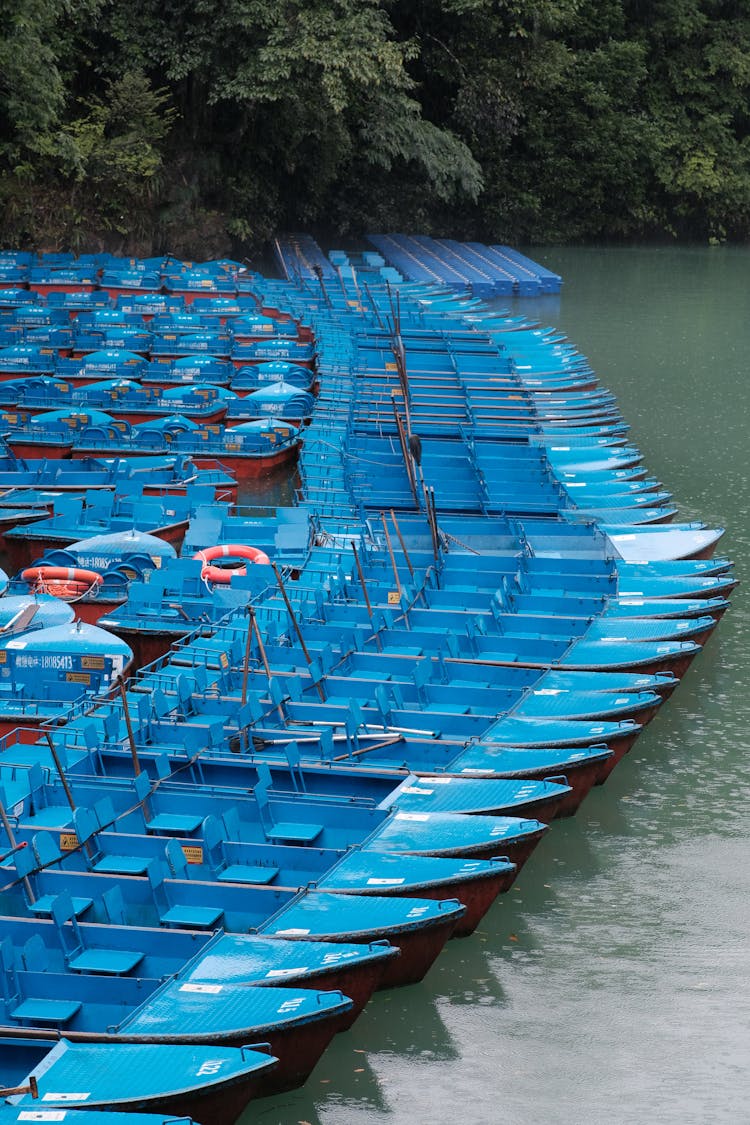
(241, 466)
(34, 449)
(250, 468)
(148, 647)
(22, 552)
(477, 895)
(357, 981)
(45, 290)
(90, 612)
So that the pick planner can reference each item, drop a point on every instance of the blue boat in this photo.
(249, 450)
(107, 363)
(16, 1116)
(83, 515)
(275, 400)
(100, 862)
(44, 671)
(64, 974)
(187, 371)
(477, 602)
(207, 1083)
(27, 359)
(239, 958)
(275, 371)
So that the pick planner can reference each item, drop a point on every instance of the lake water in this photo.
(612, 984)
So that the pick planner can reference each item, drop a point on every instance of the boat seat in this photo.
(114, 962)
(104, 863)
(121, 865)
(224, 872)
(292, 832)
(46, 1011)
(447, 708)
(27, 866)
(180, 824)
(280, 831)
(247, 873)
(88, 959)
(42, 907)
(191, 917)
(53, 816)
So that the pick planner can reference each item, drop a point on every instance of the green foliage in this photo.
(165, 124)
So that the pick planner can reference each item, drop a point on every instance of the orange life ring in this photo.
(62, 581)
(219, 574)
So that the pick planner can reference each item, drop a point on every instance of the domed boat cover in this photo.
(265, 425)
(210, 390)
(74, 639)
(54, 418)
(202, 360)
(101, 551)
(272, 392)
(121, 385)
(48, 611)
(160, 425)
(110, 358)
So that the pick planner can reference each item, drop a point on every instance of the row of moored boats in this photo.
(259, 761)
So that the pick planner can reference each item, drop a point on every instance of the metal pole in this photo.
(14, 846)
(246, 662)
(401, 541)
(366, 288)
(431, 515)
(259, 639)
(341, 281)
(367, 596)
(264, 658)
(390, 552)
(368, 749)
(362, 582)
(129, 727)
(405, 451)
(280, 257)
(60, 771)
(297, 629)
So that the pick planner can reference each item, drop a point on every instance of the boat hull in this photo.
(22, 552)
(250, 468)
(477, 895)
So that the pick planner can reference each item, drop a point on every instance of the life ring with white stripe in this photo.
(222, 575)
(61, 581)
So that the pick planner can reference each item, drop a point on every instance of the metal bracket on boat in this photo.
(32, 1089)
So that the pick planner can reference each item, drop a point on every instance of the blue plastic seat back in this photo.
(161, 704)
(213, 840)
(26, 862)
(114, 907)
(291, 751)
(104, 811)
(35, 955)
(142, 786)
(232, 824)
(86, 824)
(62, 910)
(45, 849)
(9, 979)
(325, 737)
(175, 858)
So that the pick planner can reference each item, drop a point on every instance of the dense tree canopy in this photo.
(184, 127)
